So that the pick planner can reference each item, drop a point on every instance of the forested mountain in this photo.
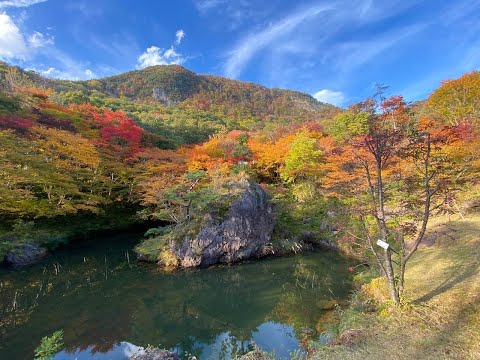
(182, 105)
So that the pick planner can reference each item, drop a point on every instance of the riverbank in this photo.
(441, 315)
(27, 242)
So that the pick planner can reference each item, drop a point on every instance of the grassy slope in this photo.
(443, 319)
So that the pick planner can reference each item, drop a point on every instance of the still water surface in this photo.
(109, 305)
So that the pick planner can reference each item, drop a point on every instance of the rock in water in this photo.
(257, 355)
(155, 354)
(240, 235)
(25, 254)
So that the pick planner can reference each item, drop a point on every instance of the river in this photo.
(109, 305)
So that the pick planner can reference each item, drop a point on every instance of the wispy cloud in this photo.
(331, 97)
(65, 67)
(254, 42)
(179, 35)
(121, 45)
(19, 3)
(38, 40)
(229, 15)
(326, 44)
(85, 8)
(349, 55)
(206, 5)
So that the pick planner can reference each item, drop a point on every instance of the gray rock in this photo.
(257, 355)
(25, 254)
(155, 354)
(242, 234)
(161, 96)
(313, 239)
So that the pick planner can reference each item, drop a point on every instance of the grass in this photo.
(441, 317)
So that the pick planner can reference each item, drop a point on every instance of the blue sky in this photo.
(336, 50)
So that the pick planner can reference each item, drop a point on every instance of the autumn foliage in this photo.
(70, 153)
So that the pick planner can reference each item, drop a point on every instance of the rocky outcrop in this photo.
(161, 96)
(257, 355)
(25, 254)
(239, 235)
(155, 354)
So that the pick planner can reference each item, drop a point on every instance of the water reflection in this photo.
(105, 304)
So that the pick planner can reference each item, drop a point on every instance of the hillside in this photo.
(173, 85)
(171, 89)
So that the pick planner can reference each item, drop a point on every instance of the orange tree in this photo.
(392, 171)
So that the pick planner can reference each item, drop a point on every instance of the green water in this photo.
(109, 305)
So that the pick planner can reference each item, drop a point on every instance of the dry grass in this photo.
(442, 317)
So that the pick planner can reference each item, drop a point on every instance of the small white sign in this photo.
(382, 244)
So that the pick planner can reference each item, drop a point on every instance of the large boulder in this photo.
(241, 234)
(25, 254)
(155, 354)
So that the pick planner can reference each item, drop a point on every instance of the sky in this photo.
(334, 50)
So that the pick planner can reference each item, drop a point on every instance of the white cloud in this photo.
(331, 97)
(12, 42)
(15, 45)
(19, 3)
(37, 40)
(156, 56)
(73, 74)
(250, 45)
(89, 73)
(179, 35)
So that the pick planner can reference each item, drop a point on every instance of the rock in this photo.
(312, 238)
(155, 354)
(25, 254)
(328, 245)
(240, 235)
(161, 96)
(256, 355)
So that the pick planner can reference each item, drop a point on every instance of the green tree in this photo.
(302, 158)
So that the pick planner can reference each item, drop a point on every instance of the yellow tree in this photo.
(456, 101)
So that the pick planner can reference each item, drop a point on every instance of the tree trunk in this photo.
(391, 277)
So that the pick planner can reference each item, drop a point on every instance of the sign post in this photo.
(383, 244)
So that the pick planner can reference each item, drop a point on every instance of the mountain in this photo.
(181, 106)
(173, 85)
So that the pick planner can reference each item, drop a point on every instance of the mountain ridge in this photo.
(174, 84)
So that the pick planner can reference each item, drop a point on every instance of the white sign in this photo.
(382, 244)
